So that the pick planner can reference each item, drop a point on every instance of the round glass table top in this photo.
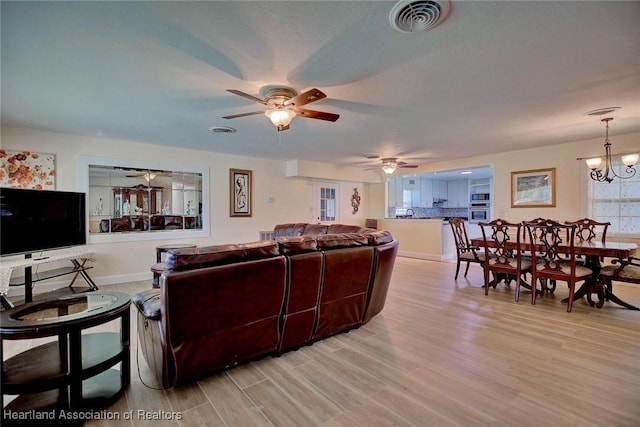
(57, 309)
(39, 316)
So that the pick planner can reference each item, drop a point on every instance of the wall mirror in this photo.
(127, 202)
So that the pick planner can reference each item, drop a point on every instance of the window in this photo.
(137, 202)
(617, 202)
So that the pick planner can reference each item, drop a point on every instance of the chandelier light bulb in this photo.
(594, 163)
(630, 159)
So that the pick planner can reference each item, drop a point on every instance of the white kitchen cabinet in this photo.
(458, 193)
(439, 189)
(426, 193)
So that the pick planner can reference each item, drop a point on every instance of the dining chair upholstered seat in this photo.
(627, 270)
(555, 257)
(464, 251)
(502, 260)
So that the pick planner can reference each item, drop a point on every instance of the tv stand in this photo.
(78, 259)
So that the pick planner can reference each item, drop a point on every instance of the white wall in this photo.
(291, 197)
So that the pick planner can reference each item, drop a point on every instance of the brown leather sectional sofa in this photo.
(218, 306)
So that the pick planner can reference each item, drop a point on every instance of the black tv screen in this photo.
(39, 220)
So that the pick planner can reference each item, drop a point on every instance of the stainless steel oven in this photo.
(479, 211)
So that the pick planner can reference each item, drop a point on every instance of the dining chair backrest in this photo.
(588, 229)
(501, 234)
(525, 230)
(555, 245)
(460, 236)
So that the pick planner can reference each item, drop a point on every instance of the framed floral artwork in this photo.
(27, 169)
(533, 188)
(240, 181)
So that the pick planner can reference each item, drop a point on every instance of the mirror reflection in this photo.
(143, 200)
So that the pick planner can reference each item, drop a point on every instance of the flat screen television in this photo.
(40, 220)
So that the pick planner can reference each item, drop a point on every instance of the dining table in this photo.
(593, 252)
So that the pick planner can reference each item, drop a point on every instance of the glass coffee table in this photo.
(77, 371)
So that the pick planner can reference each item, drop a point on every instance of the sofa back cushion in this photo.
(282, 230)
(315, 229)
(343, 240)
(297, 244)
(208, 256)
(377, 238)
(344, 228)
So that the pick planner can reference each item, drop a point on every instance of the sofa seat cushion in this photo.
(148, 303)
(342, 240)
(209, 256)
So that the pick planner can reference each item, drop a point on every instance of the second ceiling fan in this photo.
(284, 104)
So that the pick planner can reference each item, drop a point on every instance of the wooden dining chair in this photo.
(503, 258)
(588, 229)
(464, 251)
(621, 270)
(555, 257)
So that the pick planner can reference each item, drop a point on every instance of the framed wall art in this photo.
(533, 188)
(240, 189)
(26, 169)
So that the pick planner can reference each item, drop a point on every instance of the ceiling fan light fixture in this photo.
(389, 166)
(280, 117)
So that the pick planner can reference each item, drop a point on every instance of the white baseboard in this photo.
(422, 255)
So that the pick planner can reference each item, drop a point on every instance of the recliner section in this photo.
(218, 306)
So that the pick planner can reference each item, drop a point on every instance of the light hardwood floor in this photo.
(440, 353)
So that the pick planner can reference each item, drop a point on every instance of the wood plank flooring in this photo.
(441, 353)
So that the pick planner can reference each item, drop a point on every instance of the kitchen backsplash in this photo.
(419, 212)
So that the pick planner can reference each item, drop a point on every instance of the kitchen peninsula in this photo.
(425, 238)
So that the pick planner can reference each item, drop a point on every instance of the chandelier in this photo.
(602, 170)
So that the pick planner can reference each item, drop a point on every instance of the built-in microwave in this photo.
(480, 196)
(477, 214)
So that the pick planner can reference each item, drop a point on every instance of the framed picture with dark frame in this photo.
(534, 188)
(240, 189)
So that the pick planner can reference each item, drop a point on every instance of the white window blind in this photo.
(617, 202)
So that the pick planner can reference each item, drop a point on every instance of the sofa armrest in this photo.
(148, 303)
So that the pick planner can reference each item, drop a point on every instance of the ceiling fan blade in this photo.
(311, 114)
(235, 116)
(246, 95)
(307, 97)
(407, 166)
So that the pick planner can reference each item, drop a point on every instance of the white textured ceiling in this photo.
(495, 76)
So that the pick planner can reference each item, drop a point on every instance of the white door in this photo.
(326, 202)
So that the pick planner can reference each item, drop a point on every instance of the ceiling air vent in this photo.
(409, 16)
